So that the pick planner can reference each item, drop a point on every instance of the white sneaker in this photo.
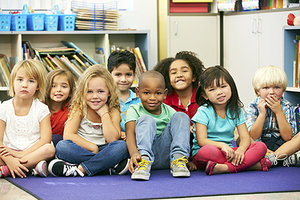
(40, 169)
(143, 171)
(179, 168)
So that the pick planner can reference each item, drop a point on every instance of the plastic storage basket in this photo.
(51, 22)
(66, 22)
(35, 21)
(5, 22)
(19, 22)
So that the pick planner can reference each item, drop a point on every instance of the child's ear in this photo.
(165, 93)
(205, 97)
(137, 92)
(193, 79)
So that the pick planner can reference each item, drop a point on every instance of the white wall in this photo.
(140, 15)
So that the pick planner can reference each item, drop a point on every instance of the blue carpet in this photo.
(161, 185)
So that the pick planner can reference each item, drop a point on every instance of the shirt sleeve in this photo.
(201, 116)
(3, 111)
(251, 115)
(290, 116)
(131, 114)
(43, 111)
(241, 119)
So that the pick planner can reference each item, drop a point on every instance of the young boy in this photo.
(121, 65)
(270, 118)
(157, 135)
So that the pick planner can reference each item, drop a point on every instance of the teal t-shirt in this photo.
(218, 129)
(125, 105)
(137, 110)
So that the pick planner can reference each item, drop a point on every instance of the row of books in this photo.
(296, 68)
(5, 69)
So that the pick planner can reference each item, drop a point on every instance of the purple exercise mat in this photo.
(161, 185)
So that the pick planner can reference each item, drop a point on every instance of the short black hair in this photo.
(117, 58)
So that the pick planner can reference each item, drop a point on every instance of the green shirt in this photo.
(137, 110)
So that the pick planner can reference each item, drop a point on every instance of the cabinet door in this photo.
(199, 34)
(241, 52)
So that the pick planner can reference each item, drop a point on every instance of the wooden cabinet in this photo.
(199, 34)
(251, 41)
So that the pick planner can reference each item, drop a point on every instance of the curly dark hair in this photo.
(117, 58)
(190, 58)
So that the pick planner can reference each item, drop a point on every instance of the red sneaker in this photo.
(210, 167)
(4, 171)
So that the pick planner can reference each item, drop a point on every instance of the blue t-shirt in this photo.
(218, 129)
(125, 105)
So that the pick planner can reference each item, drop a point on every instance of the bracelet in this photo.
(104, 114)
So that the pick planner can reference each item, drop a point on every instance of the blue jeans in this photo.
(175, 139)
(108, 156)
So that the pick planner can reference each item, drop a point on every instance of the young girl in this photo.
(25, 130)
(182, 79)
(59, 90)
(220, 112)
(92, 132)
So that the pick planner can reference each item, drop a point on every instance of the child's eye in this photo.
(146, 92)
(89, 91)
(173, 72)
(211, 89)
(265, 88)
(19, 79)
(53, 86)
(100, 91)
(158, 93)
(31, 81)
(117, 74)
(129, 74)
(277, 87)
(64, 86)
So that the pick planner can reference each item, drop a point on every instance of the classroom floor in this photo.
(9, 191)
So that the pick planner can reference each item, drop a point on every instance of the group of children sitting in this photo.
(181, 117)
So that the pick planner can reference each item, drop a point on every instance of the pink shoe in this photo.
(4, 171)
(210, 167)
(265, 164)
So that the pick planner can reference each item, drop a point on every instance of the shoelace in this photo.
(143, 164)
(276, 158)
(290, 160)
(70, 170)
(180, 162)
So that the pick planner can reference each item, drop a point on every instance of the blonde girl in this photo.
(59, 90)
(92, 132)
(25, 130)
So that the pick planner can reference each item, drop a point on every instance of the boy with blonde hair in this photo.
(270, 117)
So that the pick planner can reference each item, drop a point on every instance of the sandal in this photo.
(265, 164)
(210, 167)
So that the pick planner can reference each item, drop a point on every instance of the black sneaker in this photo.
(121, 168)
(59, 167)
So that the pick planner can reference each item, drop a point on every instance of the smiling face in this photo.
(181, 75)
(152, 93)
(25, 87)
(218, 95)
(60, 89)
(97, 93)
(123, 77)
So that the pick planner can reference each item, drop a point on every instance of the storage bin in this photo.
(66, 22)
(19, 22)
(35, 21)
(5, 22)
(51, 22)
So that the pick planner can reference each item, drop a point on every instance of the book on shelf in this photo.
(5, 70)
(296, 71)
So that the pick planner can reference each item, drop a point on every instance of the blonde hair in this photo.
(33, 69)
(50, 77)
(267, 76)
(79, 101)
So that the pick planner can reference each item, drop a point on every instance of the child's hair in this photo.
(190, 58)
(33, 69)
(267, 76)
(117, 58)
(208, 78)
(50, 77)
(79, 101)
(152, 74)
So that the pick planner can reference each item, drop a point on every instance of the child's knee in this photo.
(48, 150)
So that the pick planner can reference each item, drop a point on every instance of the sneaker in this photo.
(40, 169)
(292, 160)
(4, 171)
(178, 167)
(59, 167)
(210, 167)
(272, 158)
(121, 168)
(143, 171)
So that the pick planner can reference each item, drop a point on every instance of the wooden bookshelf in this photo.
(289, 35)
(87, 41)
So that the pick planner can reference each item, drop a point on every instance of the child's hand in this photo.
(262, 106)
(229, 152)
(103, 110)
(274, 104)
(4, 151)
(123, 136)
(192, 129)
(238, 158)
(134, 162)
(16, 167)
